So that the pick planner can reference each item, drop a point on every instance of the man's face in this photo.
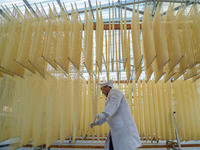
(105, 90)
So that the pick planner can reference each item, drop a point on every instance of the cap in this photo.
(110, 84)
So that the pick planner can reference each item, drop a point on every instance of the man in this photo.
(123, 134)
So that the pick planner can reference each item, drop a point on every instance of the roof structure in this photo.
(91, 5)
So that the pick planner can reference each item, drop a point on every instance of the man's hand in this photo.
(99, 119)
(93, 124)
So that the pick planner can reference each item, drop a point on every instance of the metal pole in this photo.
(176, 131)
(59, 3)
(91, 8)
(119, 46)
(29, 6)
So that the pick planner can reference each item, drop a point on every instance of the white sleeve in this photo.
(113, 103)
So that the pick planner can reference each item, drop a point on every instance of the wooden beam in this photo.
(116, 27)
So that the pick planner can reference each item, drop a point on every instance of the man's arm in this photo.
(109, 110)
(113, 103)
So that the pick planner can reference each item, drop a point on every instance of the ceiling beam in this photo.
(106, 6)
(129, 9)
(177, 1)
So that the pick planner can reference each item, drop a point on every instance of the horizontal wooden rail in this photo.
(116, 26)
(102, 147)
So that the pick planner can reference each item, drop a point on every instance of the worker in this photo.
(123, 134)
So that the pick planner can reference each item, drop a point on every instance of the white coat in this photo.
(122, 126)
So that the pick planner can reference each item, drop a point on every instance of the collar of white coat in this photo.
(109, 94)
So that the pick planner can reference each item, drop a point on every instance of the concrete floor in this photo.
(102, 143)
(193, 148)
(189, 148)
